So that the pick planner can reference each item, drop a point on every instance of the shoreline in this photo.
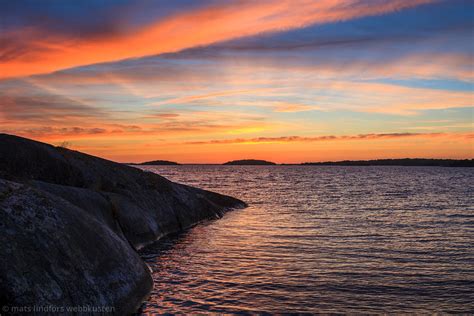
(87, 218)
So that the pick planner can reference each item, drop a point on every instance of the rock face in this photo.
(71, 223)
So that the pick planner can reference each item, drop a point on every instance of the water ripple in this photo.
(322, 240)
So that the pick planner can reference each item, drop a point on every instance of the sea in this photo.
(321, 239)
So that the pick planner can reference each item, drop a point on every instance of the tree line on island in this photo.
(156, 163)
(377, 162)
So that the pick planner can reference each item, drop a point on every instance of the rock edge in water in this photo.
(71, 224)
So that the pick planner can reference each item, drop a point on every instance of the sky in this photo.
(210, 81)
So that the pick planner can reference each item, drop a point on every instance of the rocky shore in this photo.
(71, 224)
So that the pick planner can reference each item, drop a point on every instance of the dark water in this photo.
(322, 239)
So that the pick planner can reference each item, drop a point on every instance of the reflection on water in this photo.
(322, 239)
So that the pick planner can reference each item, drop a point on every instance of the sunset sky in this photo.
(211, 81)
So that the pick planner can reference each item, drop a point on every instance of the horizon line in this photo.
(297, 163)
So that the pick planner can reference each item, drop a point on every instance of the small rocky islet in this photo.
(249, 162)
(157, 163)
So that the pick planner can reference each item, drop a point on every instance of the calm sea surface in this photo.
(322, 239)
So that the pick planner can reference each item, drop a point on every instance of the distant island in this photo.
(157, 163)
(249, 162)
(398, 162)
(413, 162)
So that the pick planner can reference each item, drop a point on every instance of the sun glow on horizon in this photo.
(286, 81)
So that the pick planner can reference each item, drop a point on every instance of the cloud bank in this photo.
(29, 50)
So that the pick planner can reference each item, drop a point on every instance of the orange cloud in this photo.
(50, 52)
(193, 98)
(133, 144)
(455, 145)
(290, 139)
(284, 107)
(69, 125)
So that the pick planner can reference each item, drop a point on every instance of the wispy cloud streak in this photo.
(289, 139)
(41, 53)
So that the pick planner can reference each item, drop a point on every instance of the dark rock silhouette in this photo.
(71, 224)
(157, 163)
(249, 162)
